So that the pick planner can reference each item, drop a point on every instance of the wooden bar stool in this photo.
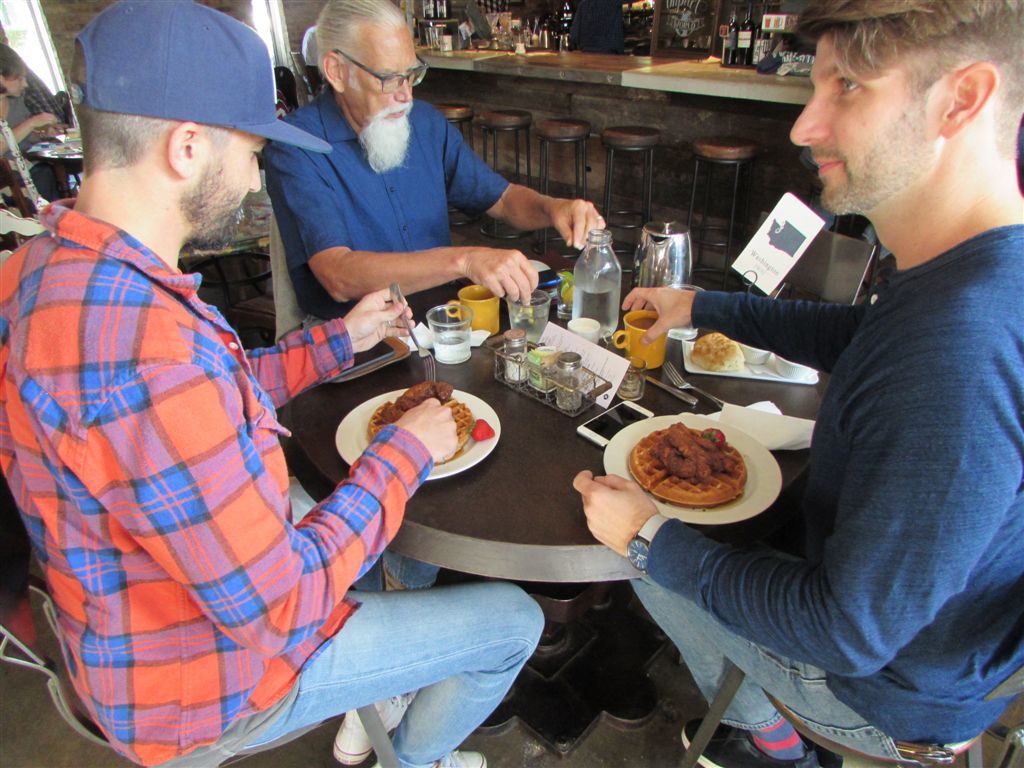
(516, 122)
(562, 130)
(632, 139)
(728, 152)
(461, 116)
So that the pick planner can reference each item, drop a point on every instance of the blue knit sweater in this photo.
(911, 595)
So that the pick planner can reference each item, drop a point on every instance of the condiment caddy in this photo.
(557, 379)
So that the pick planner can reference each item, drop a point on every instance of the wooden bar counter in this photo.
(684, 99)
(685, 76)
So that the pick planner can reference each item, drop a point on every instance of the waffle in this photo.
(651, 473)
(460, 411)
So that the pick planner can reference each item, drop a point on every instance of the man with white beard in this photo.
(374, 210)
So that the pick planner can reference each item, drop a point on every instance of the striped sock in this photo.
(779, 741)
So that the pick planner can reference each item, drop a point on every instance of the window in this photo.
(268, 18)
(28, 34)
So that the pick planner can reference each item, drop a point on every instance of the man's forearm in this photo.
(523, 208)
(349, 275)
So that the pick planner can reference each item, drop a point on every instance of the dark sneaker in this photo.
(732, 748)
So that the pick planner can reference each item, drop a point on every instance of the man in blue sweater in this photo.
(907, 607)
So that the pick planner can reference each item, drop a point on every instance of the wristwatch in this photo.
(639, 547)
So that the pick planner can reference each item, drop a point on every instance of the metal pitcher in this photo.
(663, 256)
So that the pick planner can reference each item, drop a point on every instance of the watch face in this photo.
(637, 551)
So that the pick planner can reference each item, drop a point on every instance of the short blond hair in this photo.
(931, 38)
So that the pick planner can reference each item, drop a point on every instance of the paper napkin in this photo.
(765, 423)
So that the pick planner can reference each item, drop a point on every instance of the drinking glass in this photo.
(451, 325)
(531, 315)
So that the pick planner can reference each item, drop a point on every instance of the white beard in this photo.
(386, 140)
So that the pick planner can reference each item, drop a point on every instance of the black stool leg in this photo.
(609, 164)
(544, 159)
(732, 223)
(716, 710)
(648, 192)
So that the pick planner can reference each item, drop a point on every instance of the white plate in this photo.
(764, 478)
(351, 441)
(764, 372)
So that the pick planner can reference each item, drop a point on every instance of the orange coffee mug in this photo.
(484, 305)
(637, 323)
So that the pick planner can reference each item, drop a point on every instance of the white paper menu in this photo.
(778, 243)
(598, 359)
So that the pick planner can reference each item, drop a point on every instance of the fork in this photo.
(680, 383)
(428, 359)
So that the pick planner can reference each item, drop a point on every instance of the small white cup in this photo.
(755, 356)
(446, 42)
(586, 327)
(791, 370)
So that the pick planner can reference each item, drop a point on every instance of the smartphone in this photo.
(376, 355)
(601, 429)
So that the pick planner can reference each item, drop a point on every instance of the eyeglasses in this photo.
(392, 82)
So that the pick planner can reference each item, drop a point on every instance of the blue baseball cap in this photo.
(178, 60)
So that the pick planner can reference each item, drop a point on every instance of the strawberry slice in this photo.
(714, 435)
(482, 431)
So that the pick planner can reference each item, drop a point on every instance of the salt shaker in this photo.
(515, 356)
(568, 397)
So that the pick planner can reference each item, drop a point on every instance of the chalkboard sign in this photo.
(684, 27)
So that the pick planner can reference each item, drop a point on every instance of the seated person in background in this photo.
(24, 124)
(905, 610)
(374, 210)
(198, 618)
(597, 27)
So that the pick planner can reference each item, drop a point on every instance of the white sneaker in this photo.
(352, 745)
(460, 759)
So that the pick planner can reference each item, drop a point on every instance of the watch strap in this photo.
(650, 528)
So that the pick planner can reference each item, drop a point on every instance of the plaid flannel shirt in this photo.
(142, 447)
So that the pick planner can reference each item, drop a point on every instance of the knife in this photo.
(685, 397)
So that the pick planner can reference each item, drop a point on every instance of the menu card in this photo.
(778, 243)
(598, 359)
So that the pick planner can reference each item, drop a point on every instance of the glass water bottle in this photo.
(597, 281)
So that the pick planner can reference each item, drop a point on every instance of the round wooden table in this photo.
(515, 515)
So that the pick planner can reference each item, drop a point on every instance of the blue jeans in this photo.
(461, 647)
(706, 646)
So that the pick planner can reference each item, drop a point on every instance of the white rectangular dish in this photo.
(766, 372)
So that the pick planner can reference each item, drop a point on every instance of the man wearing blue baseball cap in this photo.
(141, 442)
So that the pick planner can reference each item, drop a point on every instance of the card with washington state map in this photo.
(778, 243)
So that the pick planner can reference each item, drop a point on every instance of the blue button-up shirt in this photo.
(326, 201)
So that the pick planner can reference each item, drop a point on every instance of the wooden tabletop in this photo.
(515, 514)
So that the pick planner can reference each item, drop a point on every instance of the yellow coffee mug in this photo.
(637, 324)
(484, 305)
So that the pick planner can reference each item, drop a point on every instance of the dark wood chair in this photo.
(287, 91)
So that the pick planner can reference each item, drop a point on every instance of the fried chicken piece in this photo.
(688, 455)
(415, 395)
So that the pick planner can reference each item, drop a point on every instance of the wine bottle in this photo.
(745, 40)
(732, 41)
(428, 9)
(441, 9)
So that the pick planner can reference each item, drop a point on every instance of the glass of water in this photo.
(531, 315)
(451, 325)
